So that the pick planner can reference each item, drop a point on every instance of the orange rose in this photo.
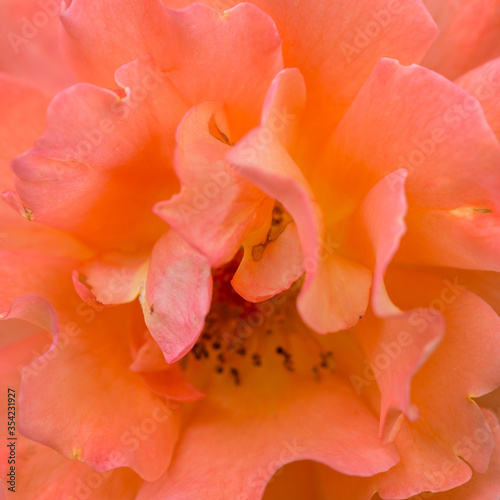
(258, 234)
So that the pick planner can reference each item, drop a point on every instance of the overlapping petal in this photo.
(468, 35)
(83, 172)
(450, 154)
(311, 428)
(177, 295)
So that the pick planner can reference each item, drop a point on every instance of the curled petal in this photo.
(216, 209)
(177, 295)
(328, 277)
(316, 430)
(449, 151)
(94, 380)
(96, 149)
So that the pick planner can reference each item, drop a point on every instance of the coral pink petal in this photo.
(29, 43)
(99, 41)
(203, 51)
(484, 84)
(32, 259)
(263, 271)
(35, 310)
(140, 429)
(45, 473)
(23, 120)
(216, 209)
(480, 486)
(328, 277)
(442, 138)
(177, 295)
(146, 353)
(382, 216)
(336, 49)
(95, 151)
(326, 423)
(468, 35)
(172, 384)
(111, 279)
(466, 360)
(209, 53)
(396, 347)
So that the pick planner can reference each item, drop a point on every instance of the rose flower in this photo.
(250, 250)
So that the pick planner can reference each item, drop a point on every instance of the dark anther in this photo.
(316, 374)
(282, 351)
(206, 336)
(328, 360)
(236, 375)
(269, 331)
(221, 357)
(288, 363)
(219, 369)
(256, 359)
(216, 345)
(197, 350)
(241, 351)
(360, 317)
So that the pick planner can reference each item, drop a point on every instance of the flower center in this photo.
(240, 336)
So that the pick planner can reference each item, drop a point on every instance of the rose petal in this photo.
(23, 120)
(484, 84)
(204, 52)
(468, 34)
(215, 209)
(46, 474)
(95, 151)
(302, 427)
(177, 295)
(111, 279)
(452, 181)
(336, 49)
(466, 360)
(29, 44)
(335, 290)
(94, 380)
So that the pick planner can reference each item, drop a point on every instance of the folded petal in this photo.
(466, 361)
(480, 486)
(98, 147)
(393, 345)
(97, 37)
(43, 473)
(468, 34)
(204, 52)
(329, 425)
(177, 295)
(23, 120)
(263, 272)
(124, 423)
(484, 84)
(111, 278)
(329, 278)
(336, 47)
(439, 134)
(216, 209)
